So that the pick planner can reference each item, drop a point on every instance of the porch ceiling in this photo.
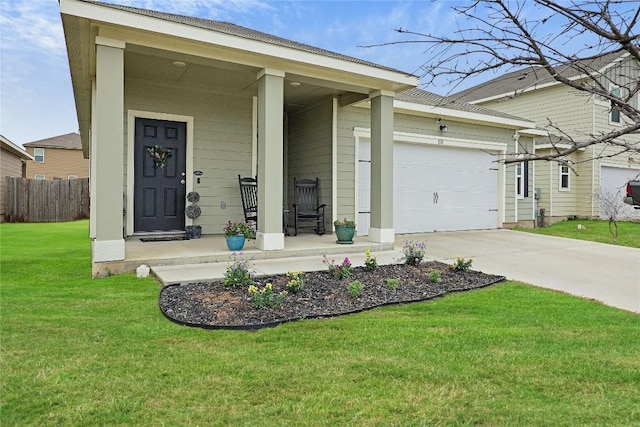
(214, 75)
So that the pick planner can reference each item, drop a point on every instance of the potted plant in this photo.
(235, 234)
(193, 211)
(345, 229)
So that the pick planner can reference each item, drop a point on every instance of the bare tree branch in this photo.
(499, 36)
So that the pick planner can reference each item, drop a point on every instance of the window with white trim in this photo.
(72, 177)
(38, 155)
(614, 115)
(39, 177)
(564, 177)
(520, 180)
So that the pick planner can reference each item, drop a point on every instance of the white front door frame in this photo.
(132, 115)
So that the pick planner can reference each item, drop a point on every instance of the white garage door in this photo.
(435, 188)
(613, 182)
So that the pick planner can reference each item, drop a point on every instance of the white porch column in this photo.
(270, 151)
(107, 150)
(381, 229)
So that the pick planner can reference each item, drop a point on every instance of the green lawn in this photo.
(595, 231)
(76, 351)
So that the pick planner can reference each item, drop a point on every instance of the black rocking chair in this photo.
(249, 196)
(307, 205)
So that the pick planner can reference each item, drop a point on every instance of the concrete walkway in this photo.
(607, 273)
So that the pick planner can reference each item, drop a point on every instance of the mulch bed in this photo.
(212, 305)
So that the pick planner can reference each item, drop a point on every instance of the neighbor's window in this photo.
(615, 113)
(520, 180)
(39, 177)
(564, 177)
(38, 155)
(72, 177)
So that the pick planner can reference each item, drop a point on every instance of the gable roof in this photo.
(239, 31)
(70, 141)
(418, 99)
(6, 144)
(535, 78)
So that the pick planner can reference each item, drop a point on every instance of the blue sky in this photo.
(36, 99)
(36, 95)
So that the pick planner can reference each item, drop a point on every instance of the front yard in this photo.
(593, 231)
(77, 351)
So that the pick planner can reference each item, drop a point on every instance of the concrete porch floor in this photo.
(194, 259)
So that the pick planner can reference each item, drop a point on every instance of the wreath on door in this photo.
(160, 155)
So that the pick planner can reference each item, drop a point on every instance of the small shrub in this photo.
(355, 289)
(239, 272)
(392, 283)
(435, 276)
(462, 264)
(340, 271)
(296, 281)
(370, 262)
(413, 252)
(266, 297)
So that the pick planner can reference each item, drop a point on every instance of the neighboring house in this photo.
(227, 100)
(60, 157)
(533, 94)
(13, 163)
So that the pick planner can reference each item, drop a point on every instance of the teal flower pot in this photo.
(345, 234)
(235, 243)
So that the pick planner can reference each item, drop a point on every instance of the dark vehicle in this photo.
(633, 194)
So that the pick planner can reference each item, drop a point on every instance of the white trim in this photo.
(108, 42)
(254, 137)
(40, 177)
(382, 92)
(561, 174)
(132, 115)
(418, 138)
(270, 72)
(246, 51)
(334, 163)
(382, 235)
(416, 109)
(35, 156)
(107, 250)
(519, 187)
(269, 241)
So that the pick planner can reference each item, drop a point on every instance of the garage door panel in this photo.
(613, 183)
(441, 188)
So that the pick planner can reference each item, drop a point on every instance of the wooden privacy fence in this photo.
(30, 200)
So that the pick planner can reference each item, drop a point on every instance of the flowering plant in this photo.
(160, 155)
(340, 271)
(413, 252)
(370, 262)
(239, 229)
(344, 223)
(239, 272)
(266, 297)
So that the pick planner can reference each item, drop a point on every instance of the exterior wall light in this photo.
(443, 127)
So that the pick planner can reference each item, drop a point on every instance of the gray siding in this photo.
(309, 153)
(222, 143)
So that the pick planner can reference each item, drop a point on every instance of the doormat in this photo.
(162, 239)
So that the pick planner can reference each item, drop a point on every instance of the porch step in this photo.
(209, 271)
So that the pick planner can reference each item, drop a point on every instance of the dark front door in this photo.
(159, 187)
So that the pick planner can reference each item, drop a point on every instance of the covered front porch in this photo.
(197, 254)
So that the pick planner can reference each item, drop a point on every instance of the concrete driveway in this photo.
(606, 273)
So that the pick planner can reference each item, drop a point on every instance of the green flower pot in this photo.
(345, 234)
